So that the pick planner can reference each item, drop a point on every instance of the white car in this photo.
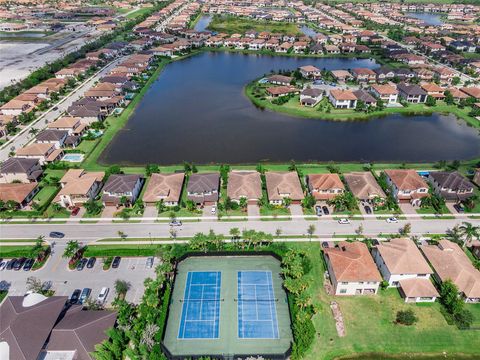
(214, 209)
(103, 295)
(344, 221)
(2, 265)
(392, 220)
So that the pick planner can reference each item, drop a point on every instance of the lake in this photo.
(197, 111)
(203, 23)
(433, 19)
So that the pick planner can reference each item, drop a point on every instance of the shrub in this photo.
(463, 319)
(406, 317)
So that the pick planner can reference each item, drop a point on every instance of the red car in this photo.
(75, 211)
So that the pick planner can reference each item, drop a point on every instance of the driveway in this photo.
(150, 211)
(296, 210)
(450, 208)
(81, 212)
(109, 211)
(362, 205)
(207, 212)
(407, 208)
(253, 210)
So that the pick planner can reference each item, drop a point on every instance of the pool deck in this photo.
(228, 342)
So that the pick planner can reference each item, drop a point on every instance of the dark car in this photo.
(81, 264)
(116, 262)
(57, 235)
(75, 211)
(368, 209)
(55, 108)
(325, 244)
(28, 264)
(325, 210)
(19, 263)
(318, 210)
(84, 295)
(10, 264)
(75, 296)
(459, 208)
(91, 262)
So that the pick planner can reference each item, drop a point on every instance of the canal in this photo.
(197, 111)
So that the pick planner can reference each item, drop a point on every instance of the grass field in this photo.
(236, 25)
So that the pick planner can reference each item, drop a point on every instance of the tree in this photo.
(151, 169)
(278, 232)
(303, 300)
(92, 207)
(34, 284)
(37, 249)
(449, 297)
(449, 99)
(287, 202)
(124, 201)
(199, 242)
(311, 230)
(71, 249)
(308, 201)
(234, 233)
(360, 106)
(431, 101)
(469, 232)
(406, 229)
(243, 203)
(380, 104)
(11, 205)
(406, 317)
(343, 202)
(161, 207)
(121, 288)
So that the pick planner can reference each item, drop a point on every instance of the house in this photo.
(342, 99)
(364, 75)
(412, 93)
(279, 80)
(39, 327)
(166, 188)
(282, 185)
(416, 290)
(471, 92)
(16, 107)
(434, 90)
(451, 185)
(363, 95)
(244, 185)
(22, 170)
(450, 262)
(476, 177)
(279, 91)
(331, 49)
(384, 73)
(341, 75)
(407, 186)
(122, 186)
(325, 186)
(78, 187)
(310, 96)
(364, 186)
(386, 93)
(45, 153)
(351, 269)
(51, 136)
(400, 259)
(203, 188)
(73, 125)
(310, 72)
(457, 94)
(20, 193)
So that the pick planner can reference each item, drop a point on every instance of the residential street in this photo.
(324, 228)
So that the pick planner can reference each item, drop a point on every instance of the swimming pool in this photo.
(73, 158)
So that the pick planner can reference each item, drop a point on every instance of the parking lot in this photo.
(65, 281)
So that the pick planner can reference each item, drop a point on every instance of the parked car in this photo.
(368, 209)
(344, 221)
(75, 211)
(84, 295)
(91, 262)
(325, 244)
(3, 265)
(75, 296)
(19, 263)
(55, 108)
(214, 210)
(47, 285)
(10, 264)
(28, 264)
(81, 264)
(175, 223)
(57, 235)
(392, 220)
(149, 262)
(102, 297)
(325, 210)
(318, 210)
(116, 262)
(459, 208)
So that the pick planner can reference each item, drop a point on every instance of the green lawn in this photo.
(431, 210)
(275, 211)
(45, 195)
(237, 25)
(86, 146)
(121, 250)
(15, 251)
(138, 12)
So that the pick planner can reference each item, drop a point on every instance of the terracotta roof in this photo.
(35, 149)
(283, 184)
(364, 185)
(343, 94)
(79, 182)
(471, 91)
(351, 262)
(245, 184)
(321, 182)
(450, 262)
(341, 74)
(309, 68)
(406, 179)
(16, 191)
(166, 187)
(279, 90)
(385, 89)
(417, 287)
(402, 256)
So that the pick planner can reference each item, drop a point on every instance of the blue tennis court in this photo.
(257, 313)
(201, 306)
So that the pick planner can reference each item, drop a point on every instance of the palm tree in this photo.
(234, 233)
(121, 288)
(71, 249)
(469, 232)
(303, 300)
(310, 231)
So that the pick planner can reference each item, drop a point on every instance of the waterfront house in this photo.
(363, 95)
(387, 93)
(43, 152)
(471, 91)
(20, 193)
(310, 72)
(78, 187)
(342, 99)
(452, 186)
(407, 185)
(279, 80)
(310, 96)
(412, 93)
(341, 75)
(450, 262)
(364, 186)
(364, 75)
(351, 269)
(203, 188)
(119, 186)
(384, 73)
(457, 94)
(434, 90)
(325, 187)
(72, 125)
(281, 185)
(246, 185)
(166, 188)
(282, 90)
